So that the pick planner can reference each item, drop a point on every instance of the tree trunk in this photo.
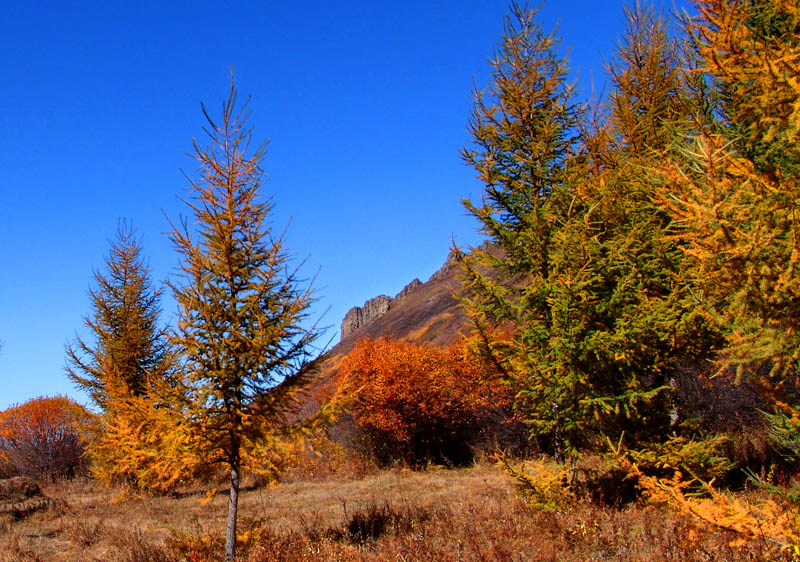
(233, 509)
(558, 440)
(674, 411)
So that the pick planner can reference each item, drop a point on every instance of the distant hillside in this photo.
(422, 312)
(425, 312)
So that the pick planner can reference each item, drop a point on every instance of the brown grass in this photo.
(464, 515)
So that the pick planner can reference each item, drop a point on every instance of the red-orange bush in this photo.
(419, 403)
(42, 438)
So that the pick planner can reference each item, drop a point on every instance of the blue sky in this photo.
(364, 104)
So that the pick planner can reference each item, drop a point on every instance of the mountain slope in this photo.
(426, 312)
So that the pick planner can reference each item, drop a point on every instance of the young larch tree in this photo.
(523, 129)
(129, 346)
(241, 305)
(129, 356)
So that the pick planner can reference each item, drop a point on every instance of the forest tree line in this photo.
(641, 294)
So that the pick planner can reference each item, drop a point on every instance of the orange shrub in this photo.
(420, 403)
(42, 437)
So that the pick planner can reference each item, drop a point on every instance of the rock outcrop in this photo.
(407, 290)
(360, 316)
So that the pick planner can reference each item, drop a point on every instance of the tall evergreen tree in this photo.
(128, 344)
(644, 301)
(242, 309)
(731, 186)
(129, 359)
(752, 51)
(582, 283)
(523, 127)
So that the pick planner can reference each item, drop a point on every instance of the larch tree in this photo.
(128, 358)
(127, 344)
(733, 187)
(648, 101)
(242, 307)
(523, 128)
(579, 299)
(644, 326)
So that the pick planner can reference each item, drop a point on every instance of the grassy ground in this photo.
(437, 514)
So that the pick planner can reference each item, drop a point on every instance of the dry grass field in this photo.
(435, 514)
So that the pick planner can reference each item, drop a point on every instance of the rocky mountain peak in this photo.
(360, 316)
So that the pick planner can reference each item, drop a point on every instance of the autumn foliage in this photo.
(642, 258)
(644, 243)
(417, 403)
(42, 438)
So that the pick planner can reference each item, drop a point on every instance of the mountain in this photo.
(426, 312)
(422, 312)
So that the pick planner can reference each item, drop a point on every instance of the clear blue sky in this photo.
(364, 103)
